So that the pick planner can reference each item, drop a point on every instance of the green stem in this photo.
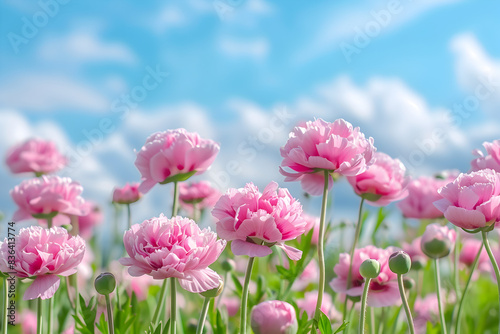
(372, 320)
(173, 305)
(49, 315)
(244, 297)
(321, 250)
(111, 325)
(405, 304)
(473, 268)
(455, 263)
(5, 305)
(353, 248)
(161, 301)
(176, 201)
(493, 262)
(440, 304)
(129, 216)
(49, 222)
(39, 318)
(203, 315)
(362, 317)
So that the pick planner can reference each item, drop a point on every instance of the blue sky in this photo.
(232, 66)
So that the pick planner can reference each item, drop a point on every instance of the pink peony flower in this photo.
(308, 276)
(384, 289)
(87, 222)
(232, 305)
(426, 310)
(48, 196)
(128, 194)
(383, 182)
(162, 248)
(490, 161)
(308, 305)
(422, 193)
(316, 146)
(273, 317)
(42, 254)
(200, 193)
(473, 200)
(173, 155)
(469, 251)
(28, 321)
(255, 222)
(35, 156)
(414, 250)
(437, 241)
(312, 222)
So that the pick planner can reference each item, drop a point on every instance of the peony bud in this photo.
(274, 317)
(400, 263)
(105, 283)
(437, 241)
(370, 268)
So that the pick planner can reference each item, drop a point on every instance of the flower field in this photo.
(264, 264)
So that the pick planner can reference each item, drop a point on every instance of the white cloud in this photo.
(44, 92)
(257, 48)
(85, 46)
(399, 119)
(478, 74)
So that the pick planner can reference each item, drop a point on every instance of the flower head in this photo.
(256, 221)
(437, 241)
(422, 193)
(491, 160)
(127, 195)
(36, 156)
(383, 182)
(472, 200)
(316, 146)
(173, 155)
(42, 254)
(177, 247)
(384, 289)
(414, 250)
(48, 196)
(274, 317)
(201, 194)
(87, 222)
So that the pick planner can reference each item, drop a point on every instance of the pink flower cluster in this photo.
(163, 248)
(173, 155)
(256, 221)
(316, 146)
(48, 196)
(384, 289)
(35, 156)
(42, 254)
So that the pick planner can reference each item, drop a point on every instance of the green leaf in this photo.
(381, 215)
(102, 325)
(324, 324)
(342, 327)
(285, 273)
(178, 177)
(237, 284)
